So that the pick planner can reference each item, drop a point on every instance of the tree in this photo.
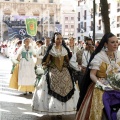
(105, 15)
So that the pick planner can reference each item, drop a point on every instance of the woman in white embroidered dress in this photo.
(26, 72)
(56, 93)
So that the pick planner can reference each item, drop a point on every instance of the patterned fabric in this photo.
(60, 81)
(97, 105)
(84, 111)
(56, 94)
(79, 56)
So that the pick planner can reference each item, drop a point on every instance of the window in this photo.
(51, 19)
(66, 26)
(99, 22)
(118, 25)
(118, 18)
(72, 26)
(91, 27)
(118, 10)
(72, 18)
(78, 16)
(78, 27)
(118, 4)
(85, 14)
(81, 25)
(118, 35)
(66, 18)
(78, 3)
(99, 26)
(85, 26)
(36, 14)
(22, 14)
(35, 0)
(78, 38)
(50, 1)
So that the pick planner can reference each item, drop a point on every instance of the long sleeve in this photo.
(39, 53)
(47, 60)
(73, 62)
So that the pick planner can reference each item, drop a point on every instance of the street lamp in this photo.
(94, 21)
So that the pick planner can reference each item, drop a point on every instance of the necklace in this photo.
(59, 53)
(112, 61)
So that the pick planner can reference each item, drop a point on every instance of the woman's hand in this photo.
(44, 67)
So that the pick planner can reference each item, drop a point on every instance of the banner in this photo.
(31, 26)
(23, 18)
(18, 31)
(58, 28)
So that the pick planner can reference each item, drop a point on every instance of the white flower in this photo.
(39, 70)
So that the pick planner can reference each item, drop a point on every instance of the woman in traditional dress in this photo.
(26, 72)
(39, 43)
(56, 93)
(96, 103)
(14, 77)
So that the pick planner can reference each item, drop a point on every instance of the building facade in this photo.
(47, 13)
(85, 19)
(68, 19)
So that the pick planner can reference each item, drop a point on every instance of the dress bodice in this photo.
(55, 59)
(58, 61)
(101, 73)
(102, 64)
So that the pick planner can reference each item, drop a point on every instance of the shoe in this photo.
(53, 118)
(59, 117)
(25, 93)
(30, 92)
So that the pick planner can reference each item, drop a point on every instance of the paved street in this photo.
(13, 105)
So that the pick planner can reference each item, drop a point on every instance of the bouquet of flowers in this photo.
(39, 72)
(103, 85)
(114, 80)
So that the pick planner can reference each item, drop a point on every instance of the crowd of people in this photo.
(71, 77)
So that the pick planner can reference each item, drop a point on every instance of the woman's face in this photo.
(27, 42)
(58, 39)
(71, 42)
(112, 44)
(38, 44)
